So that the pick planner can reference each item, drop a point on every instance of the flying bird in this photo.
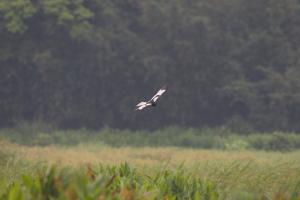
(152, 101)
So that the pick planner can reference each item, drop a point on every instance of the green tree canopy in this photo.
(86, 63)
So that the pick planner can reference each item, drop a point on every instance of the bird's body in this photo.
(153, 101)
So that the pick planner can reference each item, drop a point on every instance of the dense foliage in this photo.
(86, 63)
(169, 137)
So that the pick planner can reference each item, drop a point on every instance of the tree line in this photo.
(86, 63)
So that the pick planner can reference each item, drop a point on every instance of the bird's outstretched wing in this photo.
(142, 105)
(158, 94)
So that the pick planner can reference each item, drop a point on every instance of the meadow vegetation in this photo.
(72, 165)
(205, 138)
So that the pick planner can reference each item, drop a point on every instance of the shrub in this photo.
(276, 141)
(207, 138)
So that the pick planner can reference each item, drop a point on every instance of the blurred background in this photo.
(75, 64)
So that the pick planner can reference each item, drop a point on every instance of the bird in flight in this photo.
(152, 101)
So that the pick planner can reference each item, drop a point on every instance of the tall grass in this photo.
(120, 182)
(27, 172)
(11, 168)
(124, 182)
(217, 138)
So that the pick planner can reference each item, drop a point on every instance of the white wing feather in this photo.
(141, 103)
(157, 95)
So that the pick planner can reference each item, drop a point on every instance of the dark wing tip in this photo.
(164, 87)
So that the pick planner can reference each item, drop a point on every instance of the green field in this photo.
(91, 170)
(206, 138)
